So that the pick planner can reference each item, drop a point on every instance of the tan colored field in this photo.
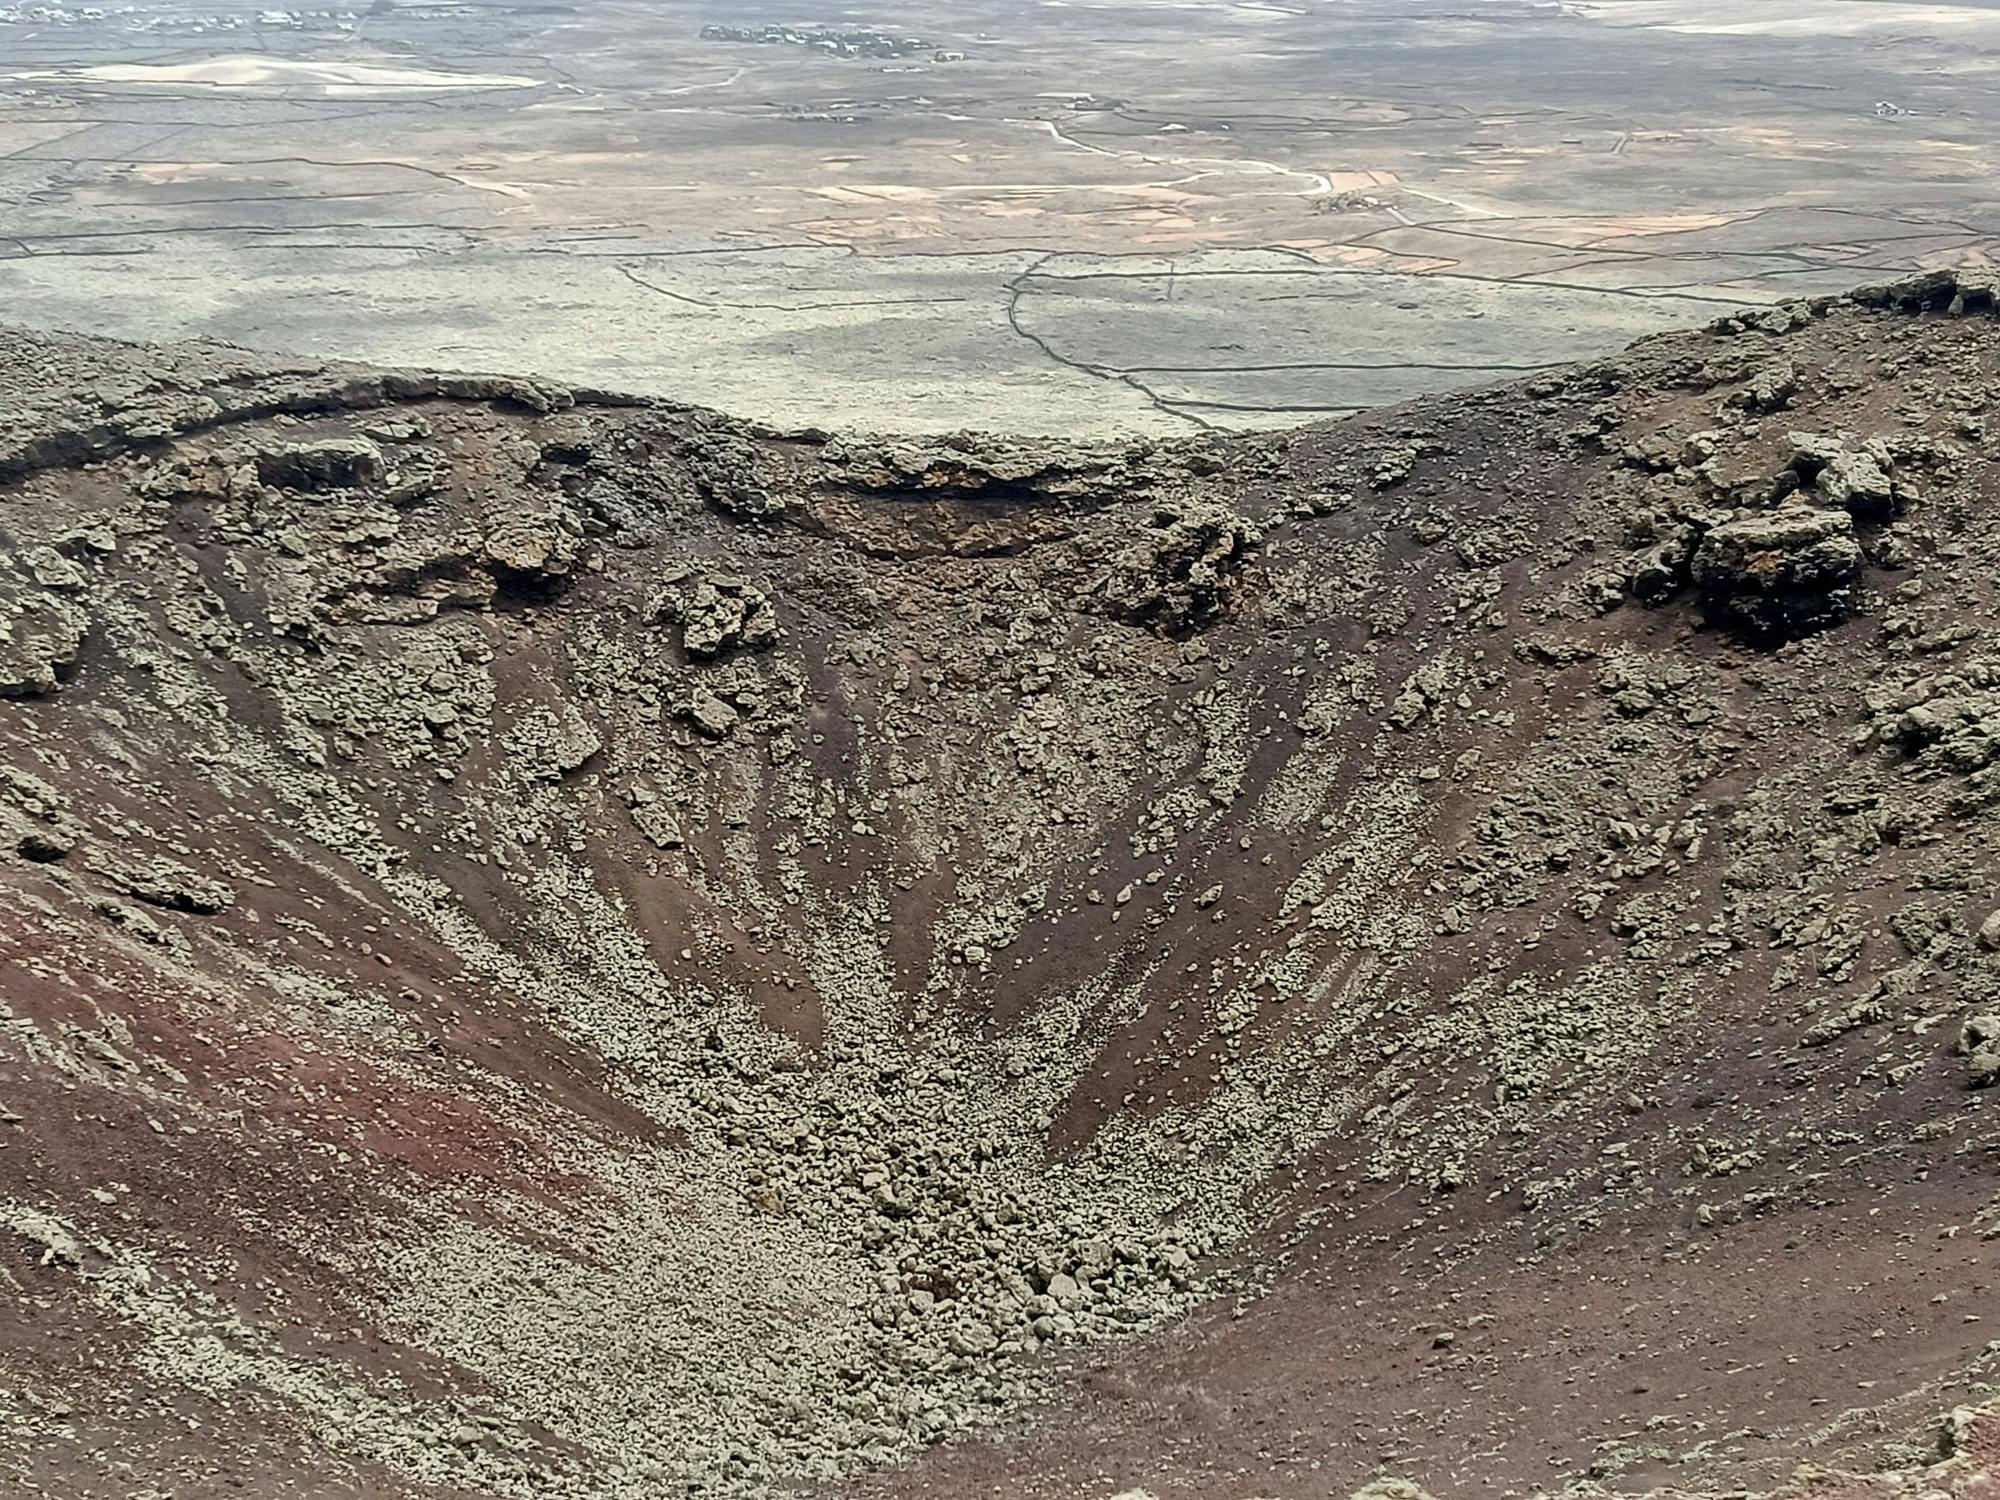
(337, 79)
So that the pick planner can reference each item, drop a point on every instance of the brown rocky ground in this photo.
(561, 946)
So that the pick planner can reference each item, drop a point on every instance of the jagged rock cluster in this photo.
(1179, 575)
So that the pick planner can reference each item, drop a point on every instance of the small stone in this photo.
(712, 716)
(1856, 481)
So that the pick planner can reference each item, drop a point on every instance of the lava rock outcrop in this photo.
(1779, 572)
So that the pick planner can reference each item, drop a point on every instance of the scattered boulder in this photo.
(535, 543)
(1870, 1010)
(56, 1244)
(1662, 570)
(1854, 477)
(1770, 388)
(396, 429)
(1391, 466)
(1808, 453)
(46, 844)
(173, 887)
(50, 569)
(1181, 573)
(41, 634)
(1780, 573)
(730, 474)
(35, 818)
(1391, 1487)
(654, 818)
(718, 611)
(1976, 291)
(1979, 1045)
(713, 717)
(326, 464)
(1925, 289)
(1955, 1431)
(1857, 480)
(1949, 720)
(551, 742)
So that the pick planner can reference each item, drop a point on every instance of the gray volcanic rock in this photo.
(718, 612)
(1857, 481)
(331, 463)
(42, 622)
(1180, 573)
(536, 542)
(1780, 572)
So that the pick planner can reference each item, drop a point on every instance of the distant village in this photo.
(834, 43)
(140, 18)
(134, 18)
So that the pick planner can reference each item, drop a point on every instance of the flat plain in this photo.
(1056, 217)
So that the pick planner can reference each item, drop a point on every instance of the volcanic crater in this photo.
(561, 945)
